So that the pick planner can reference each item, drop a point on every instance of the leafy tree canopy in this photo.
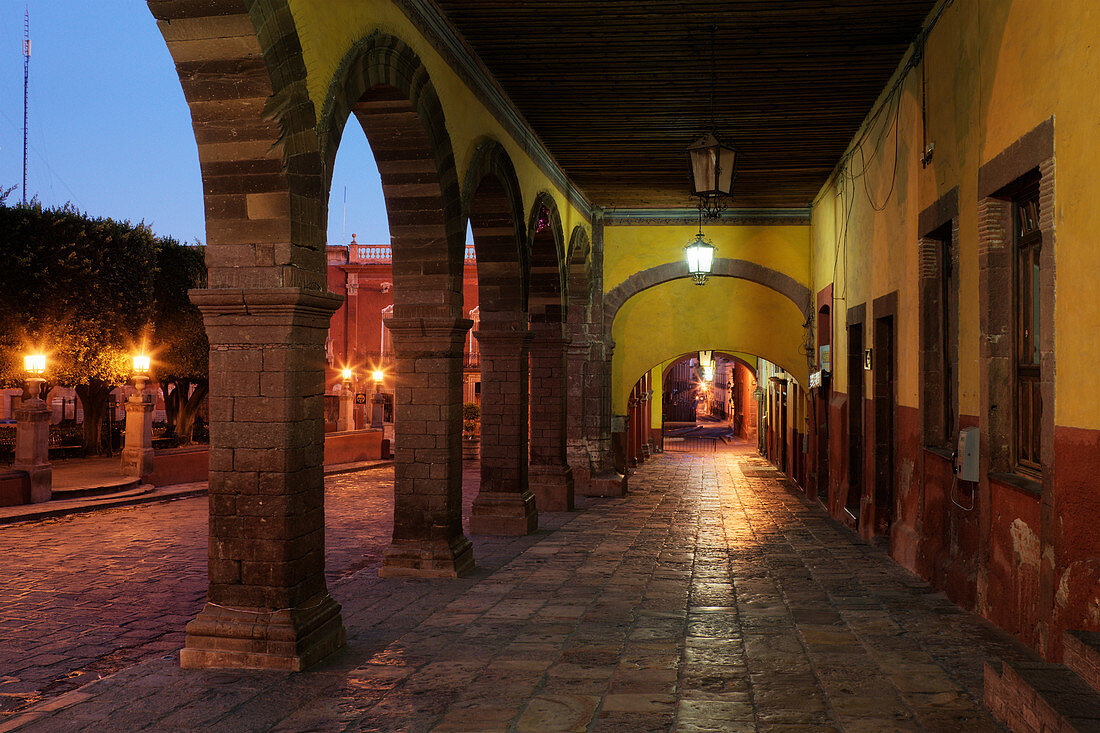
(89, 292)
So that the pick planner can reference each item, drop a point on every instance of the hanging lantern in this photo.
(700, 257)
(712, 167)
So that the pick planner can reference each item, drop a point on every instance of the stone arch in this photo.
(578, 279)
(266, 312)
(583, 396)
(546, 253)
(780, 282)
(551, 476)
(727, 354)
(384, 84)
(492, 201)
(263, 225)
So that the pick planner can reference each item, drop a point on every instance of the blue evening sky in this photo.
(110, 130)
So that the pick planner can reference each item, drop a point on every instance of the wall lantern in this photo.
(700, 257)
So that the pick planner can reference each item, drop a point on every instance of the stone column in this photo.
(137, 450)
(32, 446)
(504, 504)
(647, 418)
(427, 519)
(632, 429)
(576, 443)
(268, 606)
(347, 408)
(604, 431)
(551, 478)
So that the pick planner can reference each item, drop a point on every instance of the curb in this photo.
(165, 493)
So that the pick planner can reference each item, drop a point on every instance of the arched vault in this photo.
(727, 314)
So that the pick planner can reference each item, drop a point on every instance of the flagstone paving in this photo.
(704, 600)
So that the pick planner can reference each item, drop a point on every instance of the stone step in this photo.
(102, 488)
(1040, 697)
(1081, 652)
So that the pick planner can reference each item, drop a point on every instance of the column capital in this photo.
(493, 337)
(428, 328)
(425, 337)
(259, 302)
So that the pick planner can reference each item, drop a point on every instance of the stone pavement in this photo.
(704, 600)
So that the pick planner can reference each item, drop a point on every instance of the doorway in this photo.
(885, 411)
(855, 420)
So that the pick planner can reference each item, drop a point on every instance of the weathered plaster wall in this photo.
(994, 71)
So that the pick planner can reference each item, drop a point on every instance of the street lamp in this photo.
(377, 375)
(137, 448)
(141, 371)
(35, 366)
(347, 376)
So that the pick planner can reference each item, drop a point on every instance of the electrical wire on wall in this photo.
(845, 177)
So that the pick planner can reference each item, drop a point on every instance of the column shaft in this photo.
(551, 478)
(268, 606)
(427, 521)
(504, 504)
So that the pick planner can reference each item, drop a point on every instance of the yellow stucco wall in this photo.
(995, 70)
(679, 317)
(631, 249)
(722, 315)
(329, 28)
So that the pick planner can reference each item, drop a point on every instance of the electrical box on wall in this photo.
(966, 456)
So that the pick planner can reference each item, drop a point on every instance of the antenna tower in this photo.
(26, 84)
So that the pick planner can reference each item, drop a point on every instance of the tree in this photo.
(81, 289)
(183, 356)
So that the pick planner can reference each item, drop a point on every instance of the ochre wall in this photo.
(328, 29)
(994, 72)
(678, 317)
(631, 249)
(725, 314)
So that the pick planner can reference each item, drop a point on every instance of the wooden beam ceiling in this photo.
(618, 89)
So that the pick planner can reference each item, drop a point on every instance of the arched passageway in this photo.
(551, 476)
(505, 504)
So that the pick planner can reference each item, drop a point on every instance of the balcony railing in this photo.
(383, 254)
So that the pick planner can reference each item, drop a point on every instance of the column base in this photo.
(428, 559)
(287, 640)
(137, 462)
(605, 484)
(508, 514)
(552, 487)
(41, 481)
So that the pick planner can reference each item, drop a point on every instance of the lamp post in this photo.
(347, 404)
(137, 450)
(377, 401)
(32, 433)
